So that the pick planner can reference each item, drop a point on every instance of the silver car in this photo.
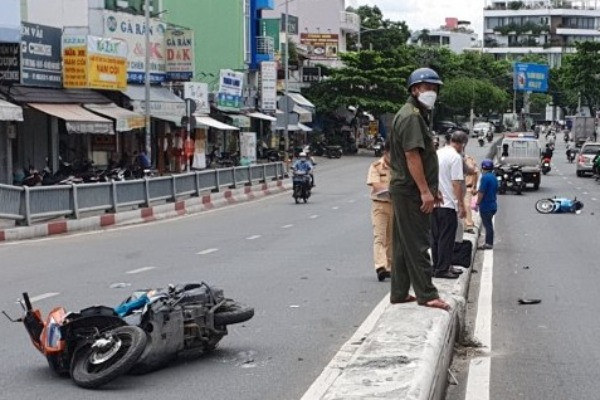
(588, 152)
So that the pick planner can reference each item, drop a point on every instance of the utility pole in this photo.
(286, 59)
(147, 81)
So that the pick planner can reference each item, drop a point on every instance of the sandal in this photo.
(408, 299)
(437, 303)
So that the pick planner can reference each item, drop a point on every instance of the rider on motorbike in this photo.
(303, 164)
(548, 152)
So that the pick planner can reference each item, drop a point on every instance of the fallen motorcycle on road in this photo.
(148, 330)
(558, 205)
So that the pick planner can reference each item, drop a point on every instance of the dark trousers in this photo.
(488, 224)
(410, 251)
(444, 223)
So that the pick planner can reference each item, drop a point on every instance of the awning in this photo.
(26, 94)
(10, 112)
(304, 128)
(301, 100)
(163, 104)
(77, 118)
(303, 114)
(125, 120)
(213, 123)
(262, 116)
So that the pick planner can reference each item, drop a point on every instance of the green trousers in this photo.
(411, 263)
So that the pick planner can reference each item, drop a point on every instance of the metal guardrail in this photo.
(30, 204)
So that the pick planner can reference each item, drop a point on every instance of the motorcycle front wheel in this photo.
(545, 206)
(103, 361)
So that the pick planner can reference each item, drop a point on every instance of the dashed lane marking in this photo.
(43, 296)
(315, 216)
(253, 237)
(335, 208)
(594, 199)
(207, 251)
(137, 271)
(351, 201)
(287, 226)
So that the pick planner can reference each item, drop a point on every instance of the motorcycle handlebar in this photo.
(27, 301)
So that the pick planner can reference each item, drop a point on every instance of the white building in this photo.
(546, 27)
(322, 26)
(455, 40)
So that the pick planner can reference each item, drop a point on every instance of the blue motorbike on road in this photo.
(558, 205)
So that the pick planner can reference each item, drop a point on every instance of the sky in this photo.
(419, 14)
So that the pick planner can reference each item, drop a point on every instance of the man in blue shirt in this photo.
(304, 165)
(486, 202)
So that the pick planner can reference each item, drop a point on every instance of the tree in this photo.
(581, 73)
(460, 94)
(377, 33)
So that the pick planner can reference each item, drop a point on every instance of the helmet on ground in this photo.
(303, 154)
(487, 165)
(424, 75)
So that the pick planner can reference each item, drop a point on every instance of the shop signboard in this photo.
(231, 85)
(270, 28)
(320, 45)
(311, 74)
(292, 24)
(268, 86)
(107, 63)
(180, 54)
(40, 55)
(198, 92)
(10, 63)
(94, 62)
(131, 29)
(248, 146)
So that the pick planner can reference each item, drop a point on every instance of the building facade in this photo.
(456, 35)
(549, 28)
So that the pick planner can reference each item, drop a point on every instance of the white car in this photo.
(482, 128)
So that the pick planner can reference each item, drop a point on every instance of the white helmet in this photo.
(303, 154)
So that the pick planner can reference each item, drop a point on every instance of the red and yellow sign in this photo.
(94, 63)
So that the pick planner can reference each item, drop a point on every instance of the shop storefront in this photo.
(9, 115)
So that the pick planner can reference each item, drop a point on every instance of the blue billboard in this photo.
(530, 77)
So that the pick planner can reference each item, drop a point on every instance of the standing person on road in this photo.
(414, 191)
(382, 215)
(444, 221)
(471, 178)
(486, 202)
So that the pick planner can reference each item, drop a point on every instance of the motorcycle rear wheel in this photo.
(545, 206)
(233, 312)
(90, 375)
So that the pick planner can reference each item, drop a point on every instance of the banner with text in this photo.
(40, 55)
(320, 45)
(180, 54)
(268, 86)
(231, 85)
(530, 77)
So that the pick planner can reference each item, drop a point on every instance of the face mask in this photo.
(428, 98)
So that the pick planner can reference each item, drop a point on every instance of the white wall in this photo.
(58, 13)
(10, 21)
(314, 16)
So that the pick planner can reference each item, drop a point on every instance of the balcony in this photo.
(265, 48)
(349, 22)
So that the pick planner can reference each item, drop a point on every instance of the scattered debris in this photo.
(526, 267)
(382, 362)
(529, 301)
(300, 359)
(328, 269)
(294, 306)
(304, 278)
(454, 380)
(119, 285)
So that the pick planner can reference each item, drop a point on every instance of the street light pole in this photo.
(148, 143)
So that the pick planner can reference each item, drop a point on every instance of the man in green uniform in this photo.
(414, 191)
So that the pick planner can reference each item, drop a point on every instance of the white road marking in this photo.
(564, 177)
(43, 296)
(207, 251)
(578, 188)
(585, 192)
(253, 237)
(335, 208)
(478, 384)
(569, 182)
(314, 216)
(343, 357)
(137, 271)
(594, 199)
(287, 226)
(351, 201)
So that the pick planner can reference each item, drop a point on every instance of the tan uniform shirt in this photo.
(379, 172)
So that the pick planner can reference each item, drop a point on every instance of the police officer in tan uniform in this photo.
(382, 214)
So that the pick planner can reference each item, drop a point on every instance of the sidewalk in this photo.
(191, 205)
(401, 351)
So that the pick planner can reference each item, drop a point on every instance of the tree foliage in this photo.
(581, 74)
(378, 34)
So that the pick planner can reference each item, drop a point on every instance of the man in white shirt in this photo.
(444, 220)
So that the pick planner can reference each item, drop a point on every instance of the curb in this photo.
(401, 351)
(189, 206)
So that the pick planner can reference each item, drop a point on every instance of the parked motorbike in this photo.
(510, 177)
(558, 205)
(301, 186)
(333, 151)
(481, 141)
(145, 332)
(546, 165)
